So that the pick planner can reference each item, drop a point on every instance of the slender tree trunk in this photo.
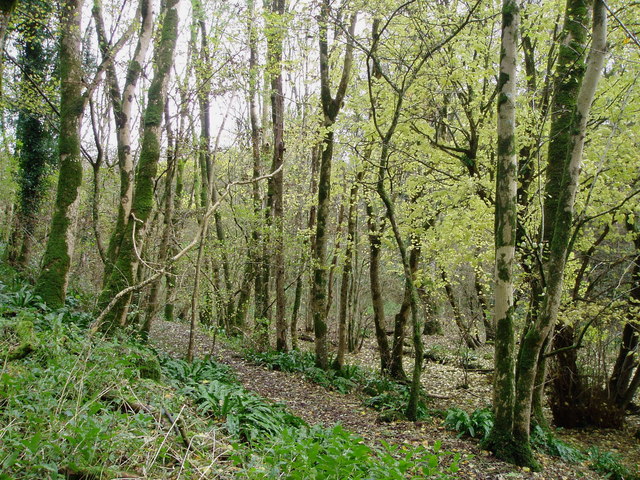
(534, 339)
(489, 324)
(126, 265)
(470, 340)
(54, 276)
(396, 368)
(334, 260)
(330, 108)
(294, 313)
(255, 257)
(501, 440)
(311, 225)
(346, 274)
(274, 53)
(169, 306)
(377, 301)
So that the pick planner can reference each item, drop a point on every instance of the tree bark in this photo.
(54, 276)
(36, 149)
(330, 109)
(274, 59)
(531, 346)
(122, 104)
(124, 272)
(377, 301)
(501, 440)
(396, 368)
(346, 274)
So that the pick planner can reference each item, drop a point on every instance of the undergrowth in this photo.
(72, 406)
(479, 423)
(77, 406)
(283, 446)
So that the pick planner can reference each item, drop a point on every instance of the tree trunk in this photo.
(501, 440)
(294, 313)
(125, 267)
(489, 324)
(274, 60)
(397, 369)
(377, 301)
(330, 108)
(346, 274)
(54, 276)
(36, 149)
(169, 202)
(531, 346)
(470, 340)
(122, 105)
(311, 226)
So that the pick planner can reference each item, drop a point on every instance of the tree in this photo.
(54, 276)
(501, 439)
(275, 194)
(122, 104)
(330, 110)
(35, 143)
(513, 443)
(124, 272)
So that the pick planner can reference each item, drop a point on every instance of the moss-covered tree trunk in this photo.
(346, 274)
(36, 148)
(330, 109)
(152, 306)
(124, 272)
(54, 276)
(534, 339)
(501, 440)
(570, 69)
(122, 104)
(379, 321)
(276, 28)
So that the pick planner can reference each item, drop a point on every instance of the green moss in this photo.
(149, 367)
(25, 340)
(509, 11)
(507, 448)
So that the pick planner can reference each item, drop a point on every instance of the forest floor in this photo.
(449, 384)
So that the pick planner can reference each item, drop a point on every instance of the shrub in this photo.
(610, 465)
(544, 441)
(476, 425)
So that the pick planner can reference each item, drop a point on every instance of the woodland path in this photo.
(317, 405)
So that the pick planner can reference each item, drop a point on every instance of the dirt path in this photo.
(316, 405)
